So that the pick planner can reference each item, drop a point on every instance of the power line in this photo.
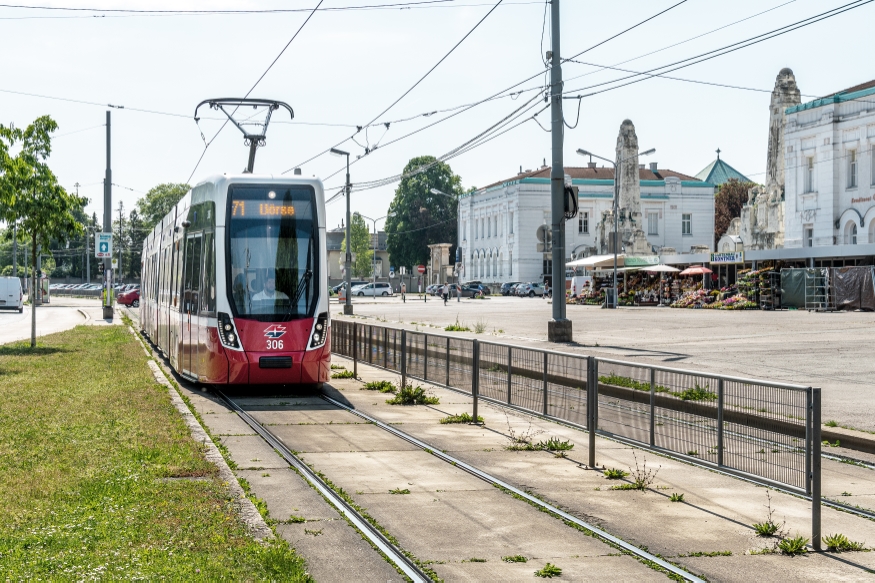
(723, 50)
(294, 36)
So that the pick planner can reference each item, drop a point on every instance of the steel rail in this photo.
(395, 555)
(528, 497)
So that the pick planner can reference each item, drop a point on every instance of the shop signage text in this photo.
(734, 257)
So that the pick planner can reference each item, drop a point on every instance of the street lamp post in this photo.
(347, 262)
(376, 245)
(616, 206)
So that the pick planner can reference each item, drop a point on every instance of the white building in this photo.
(501, 226)
(830, 170)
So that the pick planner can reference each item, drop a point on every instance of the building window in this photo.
(501, 267)
(809, 174)
(583, 222)
(511, 223)
(851, 233)
(495, 266)
(852, 168)
(653, 223)
(809, 236)
(482, 228)
(510, 262)
(686, 224)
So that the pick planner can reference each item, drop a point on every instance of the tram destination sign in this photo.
(727, 258)
(260, 209)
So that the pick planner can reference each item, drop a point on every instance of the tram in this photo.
(234, 288)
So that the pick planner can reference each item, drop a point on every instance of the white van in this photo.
(11, 296)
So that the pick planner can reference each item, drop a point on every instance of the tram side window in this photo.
(192, 275)
(208, 290)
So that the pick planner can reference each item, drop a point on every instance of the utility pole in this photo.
(347, 261)
(15, 249)
(559, 328)
(107, 223)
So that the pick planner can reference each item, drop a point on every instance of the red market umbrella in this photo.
(696, 270)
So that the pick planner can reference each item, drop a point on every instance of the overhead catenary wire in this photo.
(251, 89)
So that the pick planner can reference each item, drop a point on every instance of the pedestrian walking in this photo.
(446, 292)
(403, 292)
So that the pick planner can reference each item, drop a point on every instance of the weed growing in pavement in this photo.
(313, 532)
(338, 367)
(462, 418)
(410, 395)
(480, 326)
(839, 543)
(831, 423)
(828, 444)
(457, 327)
(846, 493)
(521, 441)
(697, 393)
(515, 559)
(554, 444)
(708, 554)
(693, 452)
(296, 519)
(675, 497)
(793, 546)
(474, 560)
(382, 386)
(618, 381)
(344, 374)
(548, 571)
(769, 527)
(399, 491)
(642, 478)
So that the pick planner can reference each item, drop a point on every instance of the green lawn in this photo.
(100, 479)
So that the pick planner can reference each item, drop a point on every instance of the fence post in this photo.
(652, 407)
(370, 330)
(403, 358)
(815, 468)
(509, 372)
(475, 376)
(546, 355)
(720, 403)
(425, 362)
(448, 361)
(385, 348)
(591, 404)
(355, 352)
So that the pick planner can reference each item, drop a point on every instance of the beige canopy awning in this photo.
(597, 261)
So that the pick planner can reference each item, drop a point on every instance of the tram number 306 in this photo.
(274, 344)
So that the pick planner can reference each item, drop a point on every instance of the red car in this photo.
(130, 298)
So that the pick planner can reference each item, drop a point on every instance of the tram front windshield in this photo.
(273, 239)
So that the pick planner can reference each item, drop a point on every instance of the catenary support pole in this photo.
(347, 262)
(559, 328)
(107, 220)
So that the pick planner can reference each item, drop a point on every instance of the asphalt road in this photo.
(829, 350)
(59, 315)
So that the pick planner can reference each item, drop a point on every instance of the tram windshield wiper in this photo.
(299, 291)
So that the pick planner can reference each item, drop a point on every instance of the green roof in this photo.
(718, 172)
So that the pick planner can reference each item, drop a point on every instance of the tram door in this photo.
(191, 279)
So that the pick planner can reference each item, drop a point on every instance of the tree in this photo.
(158, 202)
(730, 197)
(30, 194)
(423, 218)
(361, 246)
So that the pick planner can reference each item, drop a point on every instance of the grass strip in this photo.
(107, 480)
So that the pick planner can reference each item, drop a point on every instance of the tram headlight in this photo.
(231, 338)
(228, 327)
(227, 333)
(320, 332)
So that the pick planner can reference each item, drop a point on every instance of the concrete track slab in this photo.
(379, 472)
(323, 438)
(251, 452)
(335, 552)
(282, 402)
(227, 424)
(287, 494)
(327, 415)
(600, 569)
(780, 568)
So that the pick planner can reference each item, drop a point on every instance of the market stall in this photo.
(854, 287)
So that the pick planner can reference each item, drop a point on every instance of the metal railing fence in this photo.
(760, 430)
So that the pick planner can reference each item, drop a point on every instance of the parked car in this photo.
(531, 289)
(467, 291)
(507, 286)
(130, 298)
(11, 294)
(432, 289)
(379, 288)
(353, 283)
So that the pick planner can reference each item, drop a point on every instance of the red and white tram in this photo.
(234, 284)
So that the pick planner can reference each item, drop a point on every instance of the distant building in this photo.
(333, 241)
(830, 169)
(718, 172)
(503, 226)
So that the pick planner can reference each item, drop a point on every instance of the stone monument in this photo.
(632, 237)
(762, 217)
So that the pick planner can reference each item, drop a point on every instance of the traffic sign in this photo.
(420, 268)
(102, 245)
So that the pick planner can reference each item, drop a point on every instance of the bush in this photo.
(411, 395)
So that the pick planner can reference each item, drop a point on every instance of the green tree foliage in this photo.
(421, 217)
(158, 202)
(361, 246)
(730, 197)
